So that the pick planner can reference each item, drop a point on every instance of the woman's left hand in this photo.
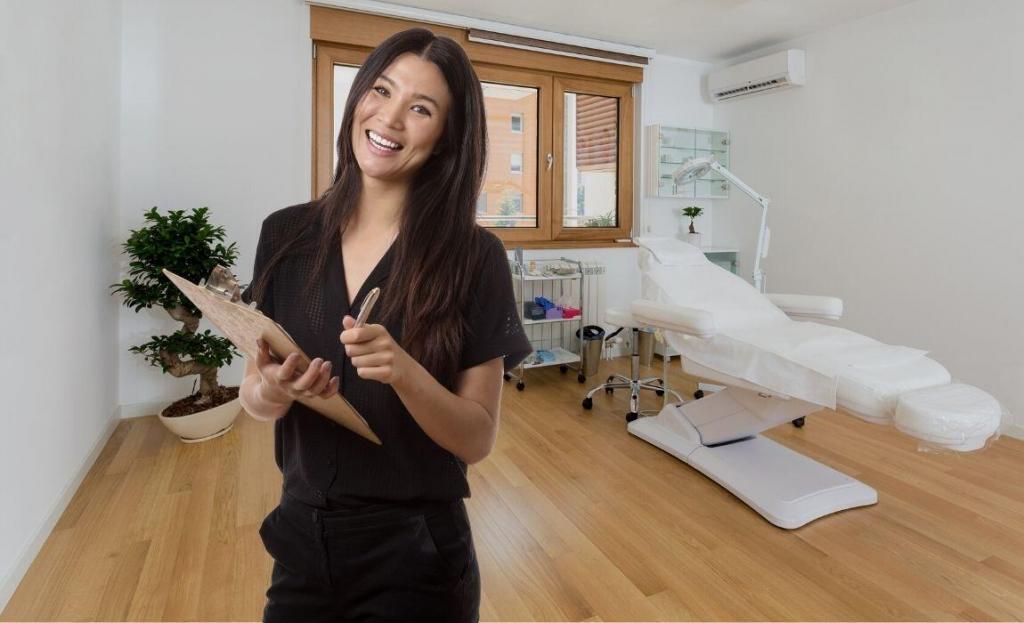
(373, 352)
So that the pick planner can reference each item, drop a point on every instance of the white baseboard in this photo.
(139, 409)
(1013, 430)
(28, 555)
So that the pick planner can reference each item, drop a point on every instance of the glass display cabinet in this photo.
(668, 147)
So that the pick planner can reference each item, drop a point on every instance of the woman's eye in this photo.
(381, 90)
(422, 110)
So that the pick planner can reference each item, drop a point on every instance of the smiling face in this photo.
(398, 122)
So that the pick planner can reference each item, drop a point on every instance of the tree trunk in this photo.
(179, 313)
(207, 385)
(178, 368)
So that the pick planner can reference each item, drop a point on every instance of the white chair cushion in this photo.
(871, 393)
(620, 317)
(672, 251)
(956, 416)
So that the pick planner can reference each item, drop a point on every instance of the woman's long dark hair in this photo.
(439, 244)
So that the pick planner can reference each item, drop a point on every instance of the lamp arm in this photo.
(763, 201)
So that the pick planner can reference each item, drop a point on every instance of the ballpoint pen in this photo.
(368, 302)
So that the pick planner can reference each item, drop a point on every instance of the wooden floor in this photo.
(573, 519)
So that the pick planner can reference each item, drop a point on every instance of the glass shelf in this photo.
(670, 147)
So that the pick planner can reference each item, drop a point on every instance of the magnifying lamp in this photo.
(700, 166)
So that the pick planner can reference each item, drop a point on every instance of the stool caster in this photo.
(563, 368)
(609, 390)
(799, 422)
(632, 416)
(581, 378)
(698, 394)
(507, 376)
(588, 403)
(520, 386)
(659, 392)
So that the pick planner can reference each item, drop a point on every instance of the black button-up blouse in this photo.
(323, 463)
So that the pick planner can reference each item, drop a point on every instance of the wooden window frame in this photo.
(347, 38)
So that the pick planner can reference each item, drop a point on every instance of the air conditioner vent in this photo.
(769, 73)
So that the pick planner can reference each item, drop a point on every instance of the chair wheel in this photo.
(659, 392)
(588, 403)
(507, 376)
(799, 422)
(563, 368)
(610, 379)
(631, 416)
(581, 378)
(520, 386)
(698, 394)
(609, 390)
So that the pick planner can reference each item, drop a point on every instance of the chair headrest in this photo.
(672, 251)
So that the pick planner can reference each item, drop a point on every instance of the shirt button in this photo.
(318, 493)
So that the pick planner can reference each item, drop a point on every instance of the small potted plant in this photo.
(693, 236)
(190, 246)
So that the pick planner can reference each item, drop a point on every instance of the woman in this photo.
(381, 532)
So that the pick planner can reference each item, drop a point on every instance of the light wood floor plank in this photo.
(573, 519)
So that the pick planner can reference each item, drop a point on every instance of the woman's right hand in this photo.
(283, 384)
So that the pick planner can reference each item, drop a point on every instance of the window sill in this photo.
(568, 244)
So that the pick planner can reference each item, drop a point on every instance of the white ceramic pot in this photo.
(203, 425)
(693, 239)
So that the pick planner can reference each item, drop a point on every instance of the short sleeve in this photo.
(494, 326)
(264, 252)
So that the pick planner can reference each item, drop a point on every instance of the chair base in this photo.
(635, 386)
(634, 383)
(783, 486)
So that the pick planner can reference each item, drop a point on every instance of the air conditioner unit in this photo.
(769, 73)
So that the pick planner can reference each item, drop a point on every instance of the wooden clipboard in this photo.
(219, 300)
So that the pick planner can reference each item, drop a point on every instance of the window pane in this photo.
(343, 77)
(591, 161)
(510, 183)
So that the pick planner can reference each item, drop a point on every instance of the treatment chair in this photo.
(777, 367)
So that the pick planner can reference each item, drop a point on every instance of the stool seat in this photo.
(621, 317)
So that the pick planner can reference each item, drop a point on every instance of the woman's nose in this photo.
(391, 113)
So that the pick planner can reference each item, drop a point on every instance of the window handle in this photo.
(551, 160)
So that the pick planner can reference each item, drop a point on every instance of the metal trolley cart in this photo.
(552, 279)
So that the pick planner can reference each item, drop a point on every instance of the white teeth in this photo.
(380, 141)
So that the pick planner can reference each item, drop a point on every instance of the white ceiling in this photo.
(703, 30)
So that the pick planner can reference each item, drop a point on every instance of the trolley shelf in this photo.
(562, 357)
(544, 320)
(527, 277)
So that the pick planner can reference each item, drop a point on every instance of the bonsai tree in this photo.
(692, 212)
(190, 246)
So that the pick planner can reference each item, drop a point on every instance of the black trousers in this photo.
(393, 562)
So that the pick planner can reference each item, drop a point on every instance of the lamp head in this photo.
(692, 169)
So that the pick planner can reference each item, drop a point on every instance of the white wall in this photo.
(59, 64)
(198, 97)
(672, 96)
(216, 112)
(894, 176)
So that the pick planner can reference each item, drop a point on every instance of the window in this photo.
(564, 125)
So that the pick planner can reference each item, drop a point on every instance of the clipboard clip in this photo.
(224, 284)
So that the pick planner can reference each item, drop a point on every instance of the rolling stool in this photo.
(623, 318)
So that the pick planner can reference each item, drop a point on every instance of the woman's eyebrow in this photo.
(415, 95)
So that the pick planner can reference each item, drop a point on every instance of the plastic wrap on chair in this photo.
(956, 416)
